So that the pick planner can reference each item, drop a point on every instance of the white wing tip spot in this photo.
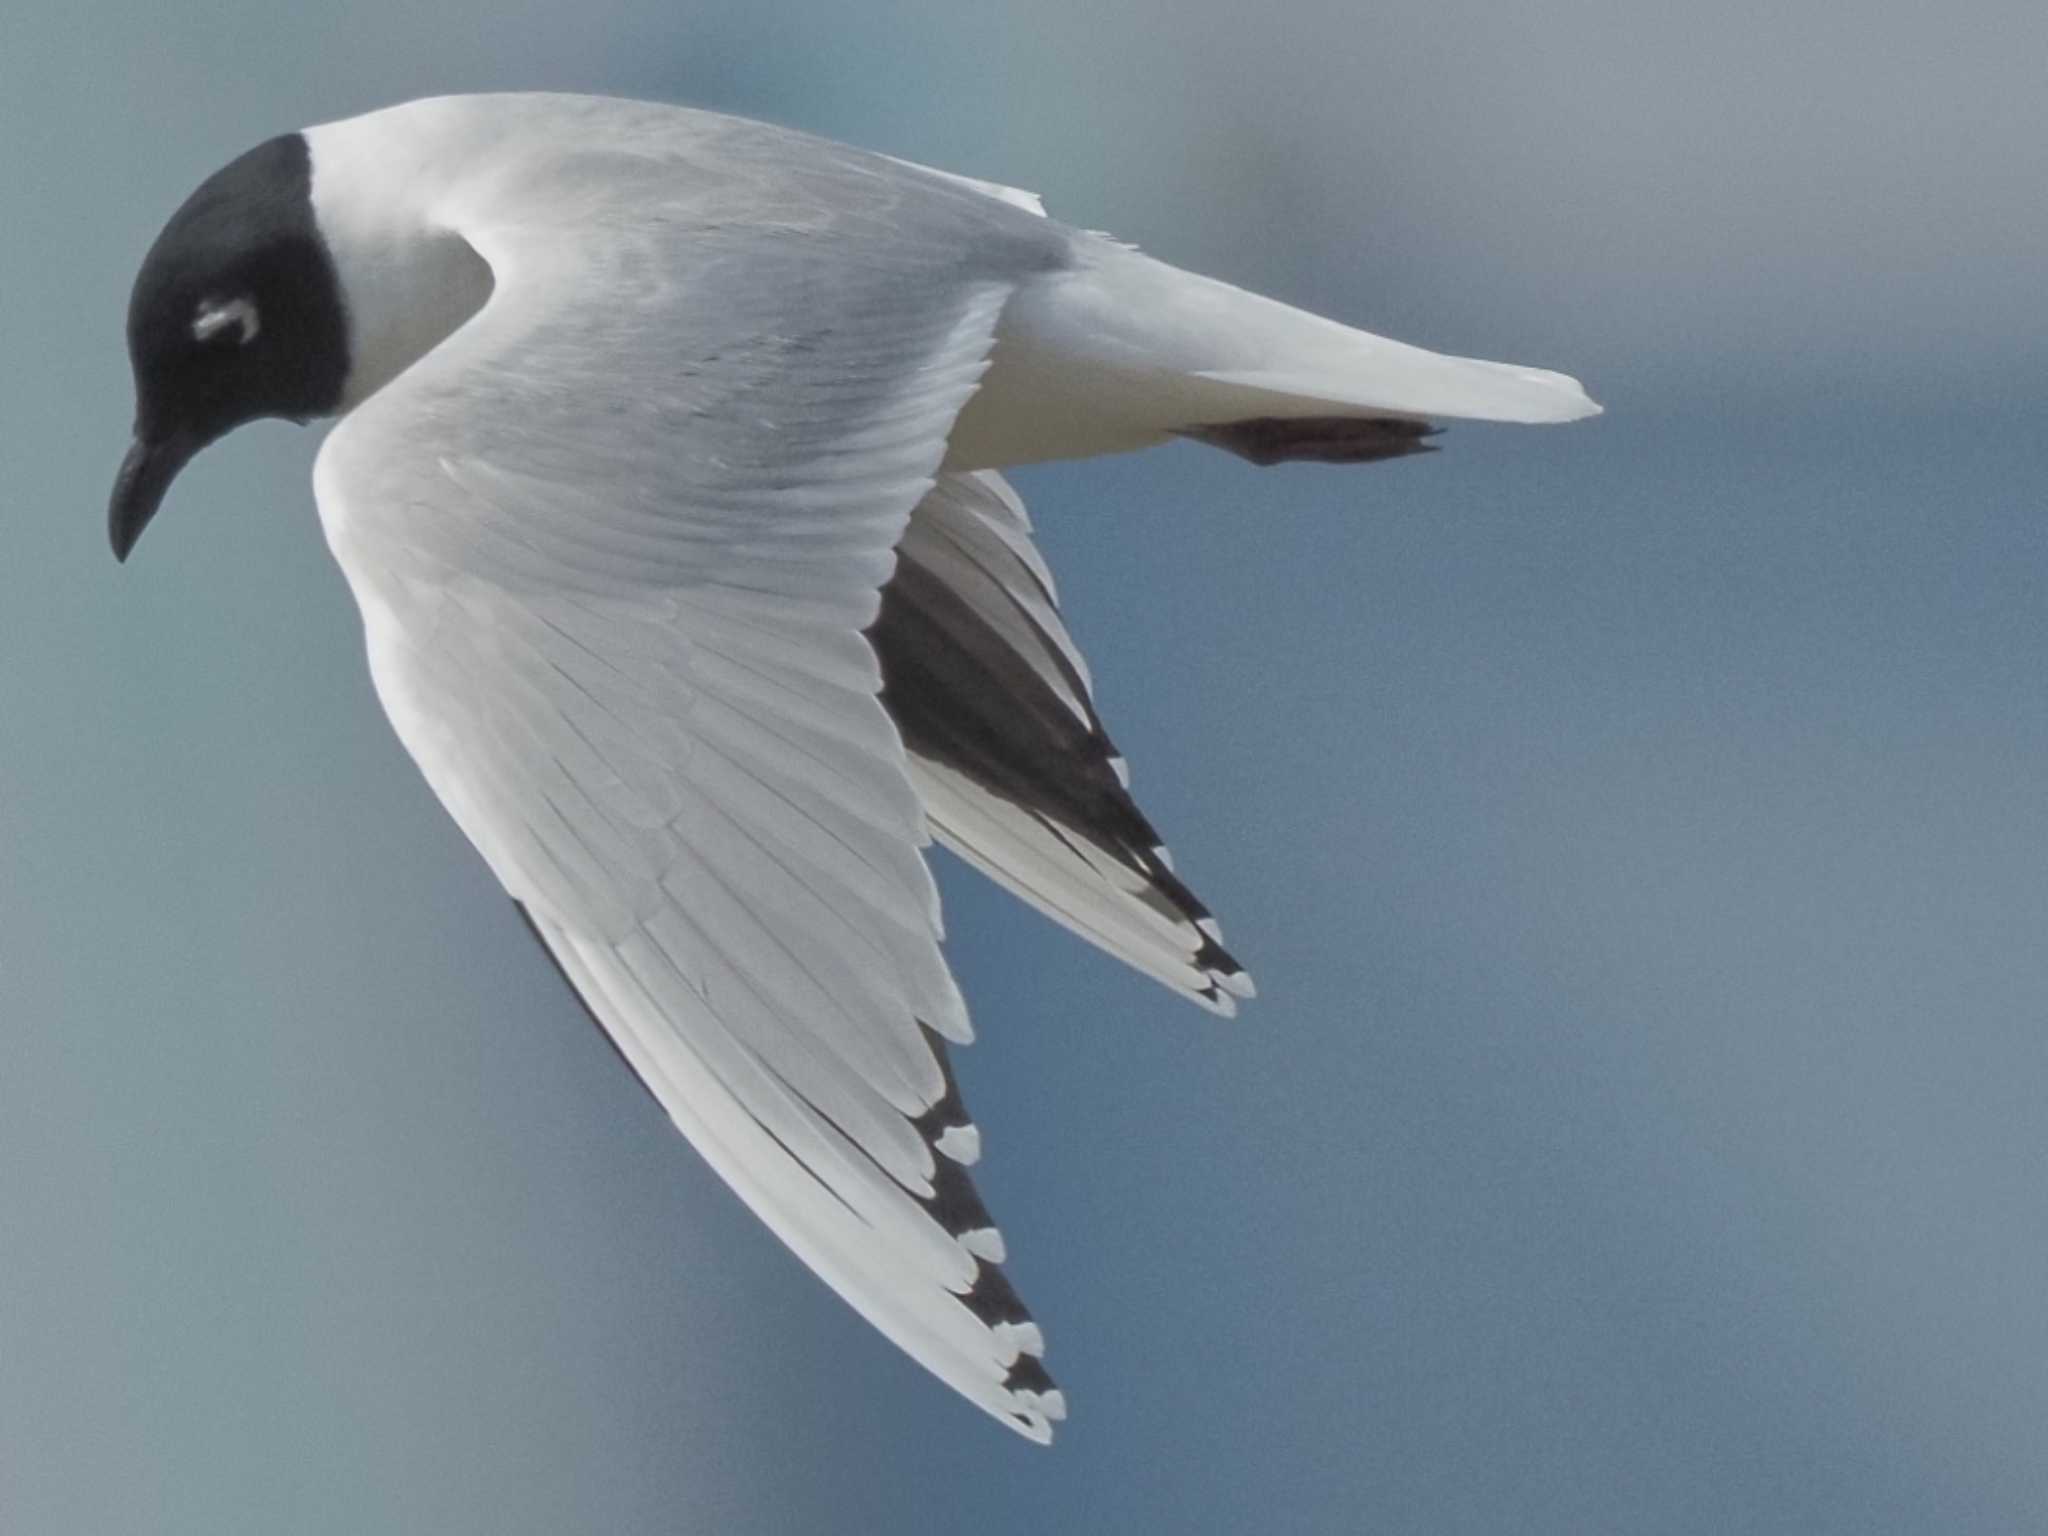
(985, 1243)
(962, 1143)
(1015, 1339)
(1039, 1411)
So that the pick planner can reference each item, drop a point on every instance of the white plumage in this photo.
(646, 401)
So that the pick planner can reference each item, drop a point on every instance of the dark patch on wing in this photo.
(994, 1300)
(947, 1113)
(1028, 1375)
(963, 697)
(957, 1206)
(1317, 439)
(954, 1203)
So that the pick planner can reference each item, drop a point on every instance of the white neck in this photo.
(408, 280)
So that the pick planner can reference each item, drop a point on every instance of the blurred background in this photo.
(1639, 833)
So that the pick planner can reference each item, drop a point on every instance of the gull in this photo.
(667, 481)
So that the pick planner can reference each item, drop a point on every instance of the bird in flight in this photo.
(667, 479)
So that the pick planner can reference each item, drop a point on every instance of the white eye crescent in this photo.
(216, 315)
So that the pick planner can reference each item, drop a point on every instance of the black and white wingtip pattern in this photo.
(1018, 777)
(1025, 1397)
(956, 1205)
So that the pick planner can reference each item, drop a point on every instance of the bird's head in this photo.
(236, 315)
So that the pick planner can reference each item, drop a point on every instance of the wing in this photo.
(1017, 775)
(616, 543)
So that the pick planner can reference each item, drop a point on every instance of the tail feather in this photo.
(1121, 351)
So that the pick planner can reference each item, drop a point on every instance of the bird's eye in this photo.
(218, 315)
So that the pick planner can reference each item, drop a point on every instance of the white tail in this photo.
(1122, 351)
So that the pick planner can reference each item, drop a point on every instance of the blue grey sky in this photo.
(1637, 831)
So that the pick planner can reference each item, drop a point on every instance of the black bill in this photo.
(139, 489)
